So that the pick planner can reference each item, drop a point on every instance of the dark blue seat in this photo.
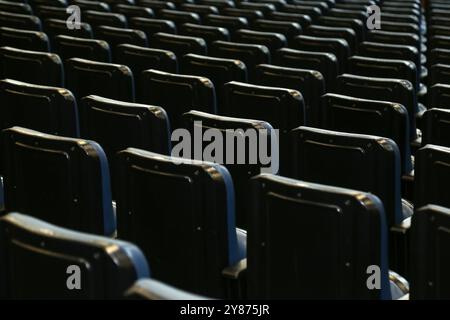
(178, 94)
(24, 39)
(288, 260)
(429, 253)
(61, 180)
(20, 21)
(150, 289)
(106, 267)
(70, 47)
(50, 110)
(436, 127)
(31, 66)
(192, 253)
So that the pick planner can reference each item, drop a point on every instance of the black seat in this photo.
(429, 259)
(273, 41)
(47, 109)
(401, 27)
(152, 26)
(86, 77)
(98, 18)
(115, 36)
(438, 31)
(337, 46)
(230, 23)
(250, 54)
(248, 137)
(60, 254)
(372, 117)
(325, 63)
(265, 8)
(436, 127)
(55, 27)
(20, 21)
(439, 56)
(366, 163)
(24, 39)
(130, 11)
(286, 216)
(384, 89)
(398, 17)
(309, 83)
(31, 66)
(361, 15)
(221, 4)
(287, 28)
(13, 7)
(356, 25)
(218, 70)
(180, 45)
(69, 47)
(250, 14)
(149, 289)
(157, 5)
(203, 242)
(201, 9)
(302, 19)
(92, 5)
(389, 37)
(334, 32)
(312, 11)
(431, 176)
(51, 12)
(55, 3)
(439, 96)
(207, 33)
(439, 42)
(64, 181)
(439, 74)
(178, 94)
(179, 17)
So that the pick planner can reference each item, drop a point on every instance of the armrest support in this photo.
(236, 280)
(399, 247)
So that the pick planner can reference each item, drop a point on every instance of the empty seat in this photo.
(59, 255)
(47, 109)
(149, 289)
(309, 83)
(250, 54)
(265, 8)
(384, 89)
(203, 241)
(115, 36)
(366, 163)
(287, 28)
(179, 17)
(373, 117)
(201, 9)
(180, 45)
(311, 11)
(408, 39)
(273, 41)
(221, 4)
(325, 63)
(207, 33)
(69, 47)
(178, 94)
(55, 27)
(218, 70)
(355, 24)
(86, 77)
(334, 32)
(439, 74)
(13, 7)
(251, 149)
(286, 216)
(401, 27)
(20, 21)
(429, 248)
(98, 18)
(302, 19)
(439, 42)
(64, 181)
(52, 12)
(24, 39)
(152, 26)
(436, 127)
(337, 46)
(361, 15)
(157, 5)
(92, 5)
(250, 14)
(55, 3)
(439, 56)
(130, 11)
(439, 96)
(438, 31)
(31, 66)
(230, 23)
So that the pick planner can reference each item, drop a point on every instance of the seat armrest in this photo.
(236, 280)
(401, 284)
(236, 271)
(399, 247)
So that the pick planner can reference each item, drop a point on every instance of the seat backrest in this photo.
(31, 66)
(313, 11)
(430, 237)
(303, 19)
(273, 41)
(20, 21)
(288, 260)
(207, 33)
(105, 267)
(230, 23)
(201, 9)
(436, 127)
(361, 15)
(150, 289)
(384, 89)
(265, 8)
(437, 30)
(64, 181)
(390, 37)
(115, 36)
(309, 83)
(157, 5)
(55, 27)
(178, 94)
(432, 174)
(152, 26)
(439, 42)
(287, 28)
(360, 162)
(51, 12)
(21, 8)
(439, 73)
(179, 17)
(439, 56)
(244, 143)
(98, 18)
(334, 32)
(134, 11)
(439, 96)
(356, 25)
(323, 62)
(188, 242)
(180, 45)
(47, 109)
(86, 77)
(24, 39)
(92, 5)
(373, 117)
(70, 47)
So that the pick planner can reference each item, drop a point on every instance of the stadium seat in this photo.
(302, 19)
(439, 42)
(31, 66)
(436, 127)
(289, 29)
(24, 39)
(232, 24)
(439, 96)
(98, 18)
(201, 9)
(179, 17)
(69, 47)
(52, 12)
(312, 12)
(178, 94)
(130, 11)
(149, 289)
(86, 77)
(366, 163)
(106, 267)
(157, 5)
(46, 109)
(61, 180)
(218, 70)
(389, 37)
(429, 259)
(309, 83)
(286, 215)
(180, 45)
(152, 26)
(356, 25)
(55, 27)
(439, 56)
(92, 5)
(273, 41)
(207, 33)
(439, 74)
(115, 36)
(431, 176)
(348, 13)
(55, 3)
(250, 14)
(221, 4)
(265, 8)
(334, 32)
(206, 240)
(13, 7)
(20, 21)
(258, 137)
